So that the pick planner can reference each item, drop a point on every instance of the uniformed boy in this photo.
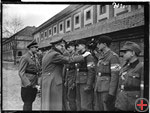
(85, 79)
(131, 82)
(71, 78)
(107, 78)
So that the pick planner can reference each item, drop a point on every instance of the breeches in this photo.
(28, 95)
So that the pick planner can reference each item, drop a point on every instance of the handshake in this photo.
(86, 54)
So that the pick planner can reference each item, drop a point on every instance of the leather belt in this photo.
(82, 70)
(122, 87)
(70, 69)
(34, 73)
(31, 72)
(103, 74)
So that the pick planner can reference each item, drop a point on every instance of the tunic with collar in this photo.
(86, 71)
(108, 67)
(131, 75)
(28, 69)
(71, 73)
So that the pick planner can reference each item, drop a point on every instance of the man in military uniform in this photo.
(70, 78)
(28, 68)
(107, 75)
(131, 82)
(85, 79)
(52, 74)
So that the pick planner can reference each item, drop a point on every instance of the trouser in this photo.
(65, 99)
(84, 99)
(28, 95)
(100, 101)
(72, 99)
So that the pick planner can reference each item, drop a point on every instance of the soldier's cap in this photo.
(104, 39)
(81, 42)
(42, 46)
(131, 46)
(57, 40)
(32, 43)
(72, 43)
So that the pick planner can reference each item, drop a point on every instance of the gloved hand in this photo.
(86, 54)
(65, 84)
(38, 87)
(72, 86)
(109, 99)
(87, 88)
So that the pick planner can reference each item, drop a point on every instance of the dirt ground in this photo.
(11, 97)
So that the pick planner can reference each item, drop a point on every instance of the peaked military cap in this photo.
(72, 43)
(56, 40)
(131, 46)
(81, 42)
(32, 43)
(92, 44)
(104, 39)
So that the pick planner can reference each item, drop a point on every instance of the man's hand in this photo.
(38, 87)
(110, 101)
(65, 84)
(109, 98)
(86, 54)
(87, 88)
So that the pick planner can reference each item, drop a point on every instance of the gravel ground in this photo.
(11, 89)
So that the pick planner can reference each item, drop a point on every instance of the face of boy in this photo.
(80, 47)
(100, 46)
(127, 55)
(71, 48)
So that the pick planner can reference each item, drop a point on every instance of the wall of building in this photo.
(111, 14)
(15, 46)
(121, 24)
(8, 56)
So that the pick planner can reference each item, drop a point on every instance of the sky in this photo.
(32, 14)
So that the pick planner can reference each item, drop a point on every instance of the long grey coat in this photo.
(52, 70)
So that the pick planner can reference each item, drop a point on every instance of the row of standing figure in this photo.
(84, 79)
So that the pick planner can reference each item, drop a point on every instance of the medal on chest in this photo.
(99, 62)
(123, 75)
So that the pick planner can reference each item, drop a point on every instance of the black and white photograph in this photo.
(75, 56)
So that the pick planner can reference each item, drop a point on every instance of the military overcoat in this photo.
(52, 70)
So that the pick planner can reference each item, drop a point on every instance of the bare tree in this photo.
(11, 25)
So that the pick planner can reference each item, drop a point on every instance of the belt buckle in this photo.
(99, 74)
(121, 90)
(122, 87)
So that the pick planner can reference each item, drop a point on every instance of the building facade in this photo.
(15, 46)
(121, 22)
